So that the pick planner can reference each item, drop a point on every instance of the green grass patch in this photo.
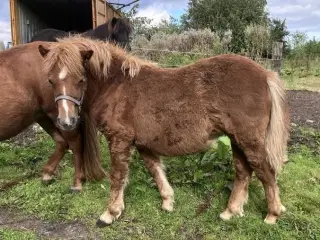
(310, 82)
(9, 234)
(198, 180)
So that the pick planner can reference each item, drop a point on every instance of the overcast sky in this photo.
(302, 15)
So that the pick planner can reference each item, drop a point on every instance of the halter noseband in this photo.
(71, 99)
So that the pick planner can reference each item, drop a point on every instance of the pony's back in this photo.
(49, 35)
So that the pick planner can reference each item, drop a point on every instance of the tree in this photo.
(278, 33)
(298, 39)
(143, 25)
(278, 30)
(222, 15)
(140, 25)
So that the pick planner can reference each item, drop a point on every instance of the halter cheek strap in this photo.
(71, 99)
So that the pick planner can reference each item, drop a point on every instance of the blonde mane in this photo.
(66, 53)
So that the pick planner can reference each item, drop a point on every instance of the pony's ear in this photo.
(114, 22)
(86, 54)
(43, 50)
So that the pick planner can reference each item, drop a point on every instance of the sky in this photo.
(301, 15)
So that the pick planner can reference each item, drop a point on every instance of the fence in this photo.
(175, 49)
(171, 58)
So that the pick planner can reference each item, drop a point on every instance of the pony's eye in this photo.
(81, 81)
(50, 81)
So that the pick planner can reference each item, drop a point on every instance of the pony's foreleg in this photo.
(75, 144)
(154, 165)
(49, 170)
(239, 194)
(120, 154)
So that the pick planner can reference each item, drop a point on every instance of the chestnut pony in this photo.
(173, 112)
(26, 97)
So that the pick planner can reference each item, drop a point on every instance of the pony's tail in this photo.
(92, 167)
(278, 129)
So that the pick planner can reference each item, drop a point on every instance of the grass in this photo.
(143, 218)
(8, 234)
(307, 82)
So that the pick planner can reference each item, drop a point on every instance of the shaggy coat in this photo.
(173, 112)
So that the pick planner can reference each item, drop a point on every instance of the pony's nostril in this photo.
(73, 121)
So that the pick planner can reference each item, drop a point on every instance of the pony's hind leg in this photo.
(153, 164)
(239, 194)
(258, 161)
(49, 170)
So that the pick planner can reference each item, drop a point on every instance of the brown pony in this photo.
(172, 112)
(27, 98)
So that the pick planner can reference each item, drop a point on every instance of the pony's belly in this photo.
(17, 113)
(10, 128)
(177, 146)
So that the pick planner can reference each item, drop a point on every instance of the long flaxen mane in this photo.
(66, 53)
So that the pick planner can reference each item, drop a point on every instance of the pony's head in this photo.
(66, 73)
(70, 61)
(120, 30)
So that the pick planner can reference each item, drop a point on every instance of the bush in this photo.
(203, 42)
(197, 168)
(257, 39)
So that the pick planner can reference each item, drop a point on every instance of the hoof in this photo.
(226, 215)
(283, 208)
(101, 224)
(167, 206)
(270, 219)
(75, 189)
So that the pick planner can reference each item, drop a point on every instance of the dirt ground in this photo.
(305, 111)
(10, 218)
(304, 108)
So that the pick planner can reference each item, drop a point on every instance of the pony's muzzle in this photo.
(69, 112)
(68, 124)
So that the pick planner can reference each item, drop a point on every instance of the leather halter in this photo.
(71, 99)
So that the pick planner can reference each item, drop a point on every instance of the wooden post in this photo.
(14, 22)
(277, 50)
(2, 47)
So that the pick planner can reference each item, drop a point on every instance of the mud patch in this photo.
(12, 219)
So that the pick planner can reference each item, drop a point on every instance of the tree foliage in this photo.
(143, 25)
(222, 15)
(279, 33)
(242, 26)
(278, 30)
(257, 39)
